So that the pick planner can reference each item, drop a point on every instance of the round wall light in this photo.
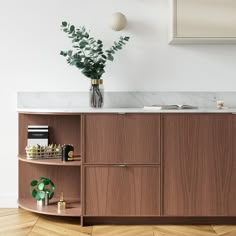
(118, 21)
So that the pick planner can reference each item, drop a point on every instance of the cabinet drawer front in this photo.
(129, 138)
(122, 191)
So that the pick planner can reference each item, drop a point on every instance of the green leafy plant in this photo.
(39, 187)
(88, 54)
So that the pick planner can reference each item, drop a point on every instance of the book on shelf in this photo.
(174, 106)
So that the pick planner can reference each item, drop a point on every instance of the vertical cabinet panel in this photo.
(129, 138)
(199, 165)
(122, 191)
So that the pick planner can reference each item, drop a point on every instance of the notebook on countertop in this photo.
(166, 107)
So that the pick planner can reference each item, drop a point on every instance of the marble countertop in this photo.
(120, 110)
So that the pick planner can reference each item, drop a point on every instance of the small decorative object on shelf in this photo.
(37, 135)
(61, 205)
(44, 152)
(220, 104)
(42, 190)
(89, 56)
(67, 152)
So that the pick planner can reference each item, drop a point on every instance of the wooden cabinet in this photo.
(122, 190)
(122, 138)
(199, 165)
(63, 129)
(176, 166)
(203, 21)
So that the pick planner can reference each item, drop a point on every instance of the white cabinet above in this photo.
(203, 21)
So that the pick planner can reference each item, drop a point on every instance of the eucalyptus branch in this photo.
(88, 54)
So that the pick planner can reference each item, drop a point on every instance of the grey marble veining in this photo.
(73, 100)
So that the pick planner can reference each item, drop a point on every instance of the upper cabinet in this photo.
(203, 21)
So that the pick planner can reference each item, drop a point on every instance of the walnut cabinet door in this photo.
(122, 191)
(122, 138)
(199, 165)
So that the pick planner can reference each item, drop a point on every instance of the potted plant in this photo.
(42, 190)
(89, 56)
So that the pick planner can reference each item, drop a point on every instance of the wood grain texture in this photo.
(63, 129)
(65, 178)
(17, 224)
(199, 166)
(22, 223)
(117, 191)
(73, 207)
(59, 226)
(122, 230)
(225, 230)
(52, 162)
(184, 230)
(122, 138)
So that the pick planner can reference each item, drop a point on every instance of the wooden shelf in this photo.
(55, 162)
(73, 207)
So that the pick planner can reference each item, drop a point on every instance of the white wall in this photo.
(31, 40)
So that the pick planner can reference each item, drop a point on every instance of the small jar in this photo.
(67, 152)
(96, 93)
(220, 104)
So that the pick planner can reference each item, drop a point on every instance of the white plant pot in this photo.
(41, 202)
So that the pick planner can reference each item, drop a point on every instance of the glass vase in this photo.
(96, 93)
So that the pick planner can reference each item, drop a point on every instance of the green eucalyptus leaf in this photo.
(64, 23)
(110, 57)
(72, 28)
(114, 48)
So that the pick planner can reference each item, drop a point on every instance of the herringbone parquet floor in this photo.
(17, 222)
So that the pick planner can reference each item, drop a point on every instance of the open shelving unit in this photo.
(63, 129)
(53, 162)
(73, 207)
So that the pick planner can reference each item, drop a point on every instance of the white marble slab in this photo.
(123, 101)
(120, 110)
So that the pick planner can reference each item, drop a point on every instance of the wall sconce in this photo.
(118, 21)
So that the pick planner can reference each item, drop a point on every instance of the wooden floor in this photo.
(15, 222)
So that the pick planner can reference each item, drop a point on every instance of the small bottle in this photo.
(61, 205)
(46, 198)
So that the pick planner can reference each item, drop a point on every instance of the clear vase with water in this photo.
(96, 93)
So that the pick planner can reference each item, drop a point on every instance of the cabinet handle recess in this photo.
(122, 165)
